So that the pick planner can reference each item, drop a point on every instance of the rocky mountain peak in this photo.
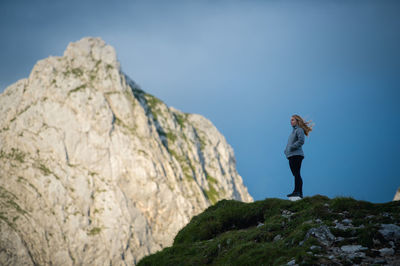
(94, 170)
(91, 48)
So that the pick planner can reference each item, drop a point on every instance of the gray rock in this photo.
(346, 221)
(346, 224)
(277, 238)
(339, 239)
(292, 262)
(356, 255)
(390, 232)
(379, 261)
(315, 247)
(386, 252)
(322, 234)
(352, 248)
(342, 226)
(287, 214)
(376, 241)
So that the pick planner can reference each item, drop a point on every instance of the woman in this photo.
(294, 152)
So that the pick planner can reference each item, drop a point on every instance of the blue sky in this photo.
(248, 66)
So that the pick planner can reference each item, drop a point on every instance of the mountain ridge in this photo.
(114, 171)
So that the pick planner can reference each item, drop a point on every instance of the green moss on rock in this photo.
(15, 155)
(77, 72)
(94, 231)
(212, 194)
(8, 200)
(153, 105)
(181, 119)
(79, 88)
(185, 164)
(171, 137)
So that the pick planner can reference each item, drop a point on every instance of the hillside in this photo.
(316, 230)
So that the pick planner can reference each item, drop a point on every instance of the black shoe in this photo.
(293, 194)
(296, 194)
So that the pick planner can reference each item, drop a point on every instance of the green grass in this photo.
(109, 67)
(120, 123)
(5, 219)
(81, 87)
(211, 179)
(227, 232)
(212, 194)
(94, 231)
(15, 155)
(97, 64)
(44, 169)
(77, 72)
(185, 164)
(152, 103)
(8, 200)
(21, 179)
(171, 137)
(180, 119)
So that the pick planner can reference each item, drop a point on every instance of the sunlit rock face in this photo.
(397, 195)
(95, 171)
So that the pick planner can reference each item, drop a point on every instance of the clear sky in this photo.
(248, 66)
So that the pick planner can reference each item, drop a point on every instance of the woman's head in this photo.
(297, 120)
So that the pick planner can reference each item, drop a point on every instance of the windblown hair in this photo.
(307, 126)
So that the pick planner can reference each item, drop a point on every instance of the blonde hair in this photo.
(307, 126)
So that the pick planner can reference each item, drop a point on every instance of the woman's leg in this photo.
(295, 165)
(292, 168)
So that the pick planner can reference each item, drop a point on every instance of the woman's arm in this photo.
(300, 139)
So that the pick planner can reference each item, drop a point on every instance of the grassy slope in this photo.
(227, 233)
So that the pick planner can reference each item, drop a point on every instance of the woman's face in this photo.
(293, 121)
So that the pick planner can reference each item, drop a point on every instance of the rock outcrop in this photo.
(397, 195)
(95, 171)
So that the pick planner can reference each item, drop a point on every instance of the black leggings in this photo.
(295, 165)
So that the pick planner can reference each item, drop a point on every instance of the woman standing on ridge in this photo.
(294, 152)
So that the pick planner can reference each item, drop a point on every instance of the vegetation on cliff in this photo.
(315, 230)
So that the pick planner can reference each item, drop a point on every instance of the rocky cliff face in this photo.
(95, 171)
(397, 195)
